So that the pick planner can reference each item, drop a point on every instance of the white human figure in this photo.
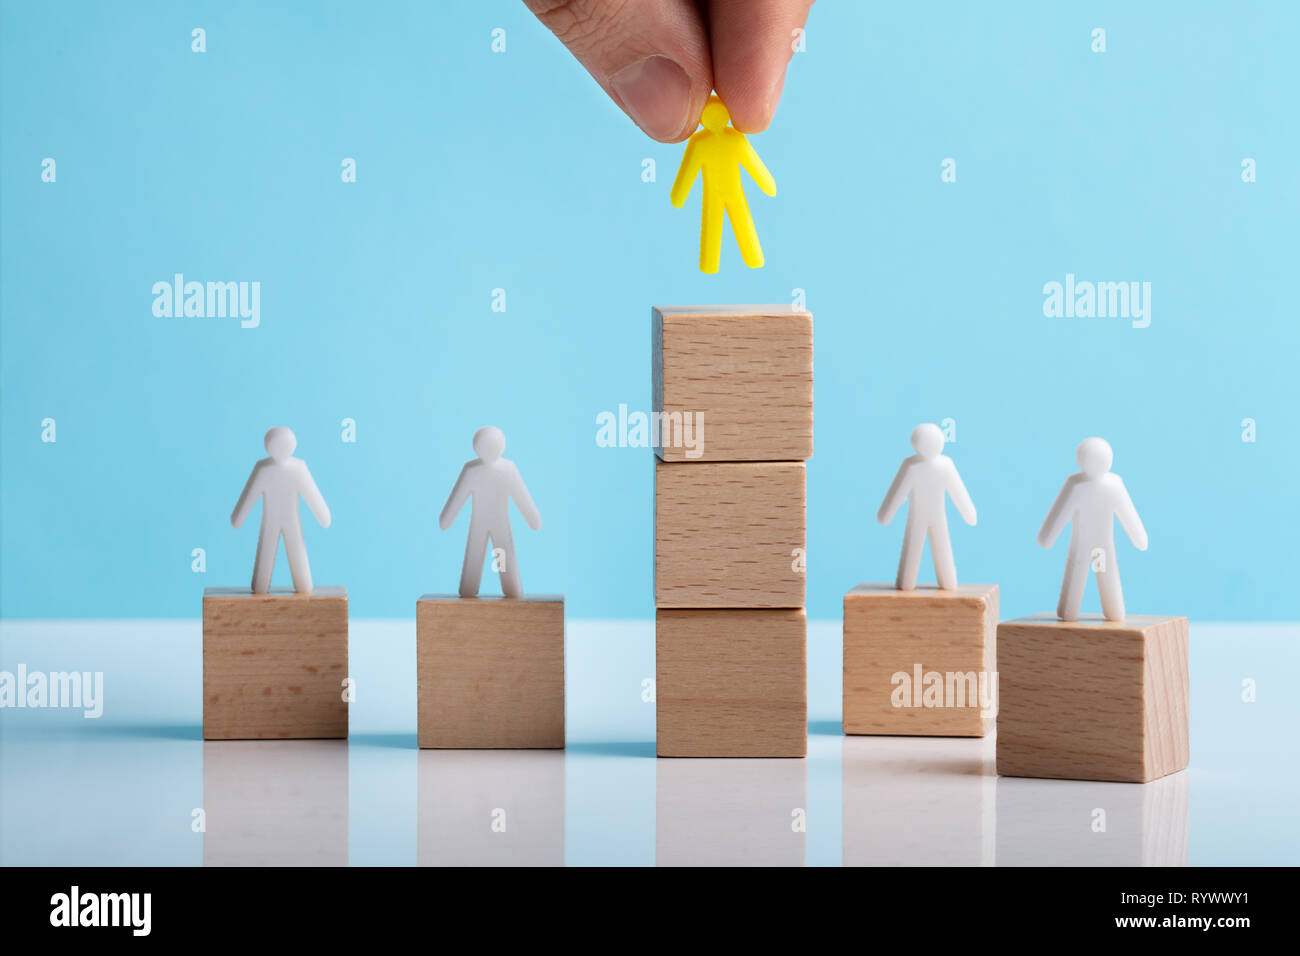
(490, 481)
(278, 481)
(1091, 500)
(923, 479)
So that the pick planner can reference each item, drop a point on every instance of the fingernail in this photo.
(755, 115)
(770, 103)
(775, 96)
(656, 93)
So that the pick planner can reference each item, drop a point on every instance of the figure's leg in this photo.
(742, 224)
(945, 570)
(1076, 576)
(471, 571)
(1112, 598)
(295, 549)
(509, 572)
(909, 562)
(710, 234)
(267, 543)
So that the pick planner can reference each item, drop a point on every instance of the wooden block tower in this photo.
(732, 425)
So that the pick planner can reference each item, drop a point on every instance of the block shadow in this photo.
(613, 748)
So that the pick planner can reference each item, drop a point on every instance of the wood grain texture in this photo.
(888, 632)
(274, 664)
(726, 534)
(748, 370)
(1092, 699)
(490, 671)
(731, 683)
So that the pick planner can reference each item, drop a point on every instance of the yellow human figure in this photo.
(718, 151)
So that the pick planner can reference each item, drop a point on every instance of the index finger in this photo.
(752, 42)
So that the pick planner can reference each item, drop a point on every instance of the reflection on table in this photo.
(491, 808)
(918, 801)
(734, 812)
(1084, 823)
(275, 802)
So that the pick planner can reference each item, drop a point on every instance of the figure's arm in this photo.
(749, 159)
(896, 494)
(248, 497)
(315, 500)
(960, 496)
(455, 501)
(1059, 516)
(686, 173)
(1128, 518)
(524, 502)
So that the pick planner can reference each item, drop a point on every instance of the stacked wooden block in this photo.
(732, 397)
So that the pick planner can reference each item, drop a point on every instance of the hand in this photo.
(660, 59)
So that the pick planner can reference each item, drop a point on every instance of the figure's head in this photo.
(715, 116)
(489, 443)
(927, 439)
(280, 443)
(1094, 457)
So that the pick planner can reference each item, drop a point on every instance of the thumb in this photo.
(650, 56)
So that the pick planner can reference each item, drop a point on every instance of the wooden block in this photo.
(747, 370)
(920, 662)
(1092, 699)
(731, 683)
(490, 671)
(729, 534)
(274, 664)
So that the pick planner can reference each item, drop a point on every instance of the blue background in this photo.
(479, 171)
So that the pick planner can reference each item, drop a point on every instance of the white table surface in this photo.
(123, 788)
